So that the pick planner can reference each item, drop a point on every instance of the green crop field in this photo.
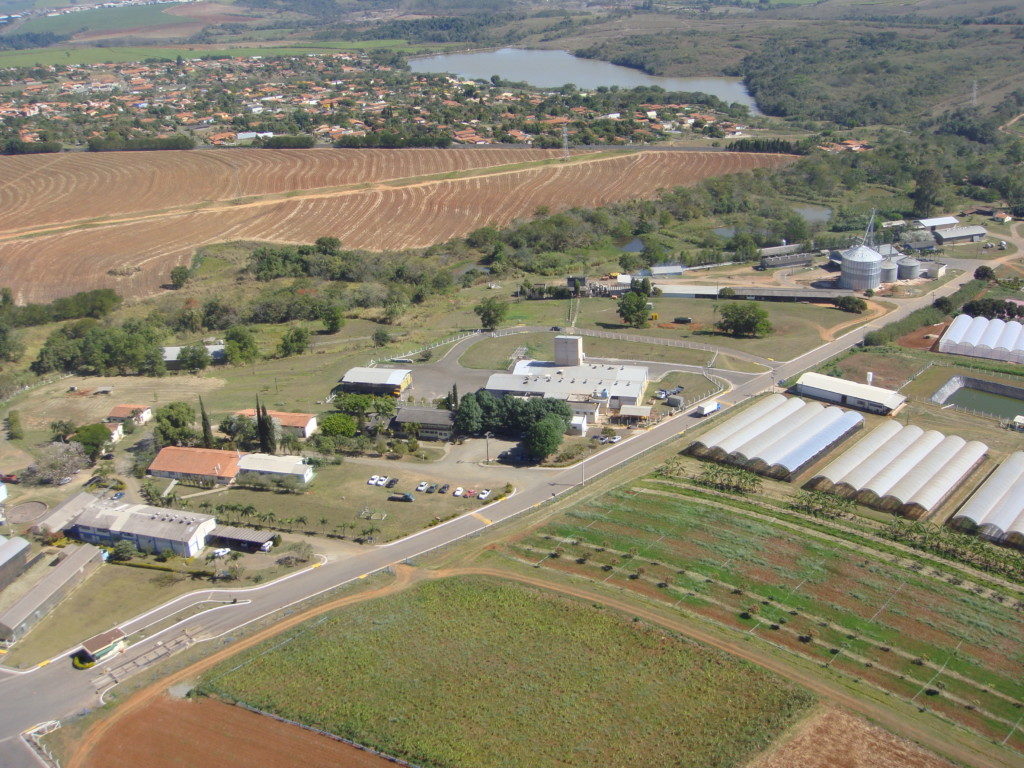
(833, 592)
(476, 672)
(104, 20)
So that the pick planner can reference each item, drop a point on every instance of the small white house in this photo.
(280, 466)
(140, 414)
(116, 431)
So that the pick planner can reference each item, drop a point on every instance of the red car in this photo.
(471, 492)
(12, 479)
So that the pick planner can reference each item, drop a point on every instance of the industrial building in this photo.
(376, 381)
(955, 235)
(861, 268)
(431, 423)
(76, 564)
(864, 397)
(980, 337)
(996, 510)
(778, 436)
(13, 559)
(585, 386)
(277, 466)
(149, 529)
(901, 468)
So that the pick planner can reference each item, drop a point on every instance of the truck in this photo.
(705, 409)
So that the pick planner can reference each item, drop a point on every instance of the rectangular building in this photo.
(302, 425)
(196, 464)
(13, 559)
(217, 355)
(149, 529)
(864, 397)
(77, 564)
(955, 235)
(140, 414)
(432, 423)
(279, 466)
(377, 381)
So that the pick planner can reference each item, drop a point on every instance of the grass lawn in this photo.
(734, 561)
(477, 672)
(340, 493)
(694, 386)
(104, 20)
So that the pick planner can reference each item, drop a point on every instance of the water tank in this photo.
(909, 268)
(890, 271)
(861, 269)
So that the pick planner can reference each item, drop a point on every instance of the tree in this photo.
(57, 462)
(14, 429)
(294, 342)
(492, 312)
(469, 416)
(334, 318)
(240, 345)
(194, 357)
(123, 550)
(944, 305)
(93, 439)
(744, 318)
(381, 338)
(61, 428)
(544, 437)
(11, 348)
(633, 310)
(179, 276)
(266, 430)
(338, 425)
(929, 190)
(204, 420)
(726, 293)
(174, 424)
(984, 273)
(241, 430)
(850, 304)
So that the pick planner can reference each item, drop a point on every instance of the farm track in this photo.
(375, 211)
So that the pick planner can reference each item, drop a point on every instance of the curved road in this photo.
(55, 690)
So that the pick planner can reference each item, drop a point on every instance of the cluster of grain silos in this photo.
(862, 268)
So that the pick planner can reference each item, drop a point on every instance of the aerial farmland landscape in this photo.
(500, 383)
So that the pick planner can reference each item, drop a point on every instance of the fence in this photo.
(32, 736)
(421, 350)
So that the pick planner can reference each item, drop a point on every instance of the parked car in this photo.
(422, 486)
(12, 479)
(458, 491)
(118, 496)
(402, 497)
(602, 439)
(614, 439)
(392, 482)
(432, 488)
(383, 480)
(444, 488)
(471, 492)
(484, 494)
(373, 480)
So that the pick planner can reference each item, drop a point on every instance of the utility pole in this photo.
(487, 440)
(565, 142)
(974, 94)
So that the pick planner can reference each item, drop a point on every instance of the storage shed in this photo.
(864, 397)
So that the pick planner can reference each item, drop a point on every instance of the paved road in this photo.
(57, 690)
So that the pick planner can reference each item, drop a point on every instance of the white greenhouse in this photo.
(981, 337)
(902, 468)
(778, 436)
(996, 510)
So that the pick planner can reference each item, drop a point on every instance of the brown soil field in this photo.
(833, 738)
(377, 217)
(917, 340)
(222, 735)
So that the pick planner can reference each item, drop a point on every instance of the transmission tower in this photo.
(565, 142)
(974, 94)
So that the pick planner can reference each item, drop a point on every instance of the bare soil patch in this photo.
(923, 338)
(833, 738)
(28, 512)
(219, 734)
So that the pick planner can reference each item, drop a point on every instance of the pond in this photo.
(553, 69)
(986, 402)
(813, 214)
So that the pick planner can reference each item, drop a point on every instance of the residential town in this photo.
(333, 97)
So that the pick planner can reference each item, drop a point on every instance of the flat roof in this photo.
(887, 397)
(264, 462)
(250, 535)
(76, 557)
(939, 221)
(381, 376)
(438, 417)
(589, 380)
(946, 234)
(643, 411)
(196, 461)
(137, 519)
(742, 292)
(11, 548)
(216, 352)
(98, 642)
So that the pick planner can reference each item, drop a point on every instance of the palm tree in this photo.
(323, 523)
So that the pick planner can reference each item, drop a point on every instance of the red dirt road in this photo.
(183, 733)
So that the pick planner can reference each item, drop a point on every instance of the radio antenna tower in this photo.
(974, 94)
(565, 142)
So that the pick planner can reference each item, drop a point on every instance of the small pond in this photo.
(990, 397)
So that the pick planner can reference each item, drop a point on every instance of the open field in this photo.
(221, 735)
(103, 20)
(829, 592)
(407, 213)
(494, 674)
(832, 738)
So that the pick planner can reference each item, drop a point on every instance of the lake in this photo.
(987, 402)
(553, 69)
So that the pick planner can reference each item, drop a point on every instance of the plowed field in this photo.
(153, 210)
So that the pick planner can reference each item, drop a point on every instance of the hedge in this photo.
(924, 316)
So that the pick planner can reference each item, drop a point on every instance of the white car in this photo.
(458, 491)
(373, 480)
(422, 486)
(614, 439)
(383, 480)
(484, 494)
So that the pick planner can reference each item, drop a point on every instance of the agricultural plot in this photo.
(474, 672)
(135, 255)
(830, 592)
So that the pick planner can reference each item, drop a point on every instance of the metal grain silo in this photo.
(861, 268)
(890, 271)
(909, 268)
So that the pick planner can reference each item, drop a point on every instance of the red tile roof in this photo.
(299, 420)
(196, 461)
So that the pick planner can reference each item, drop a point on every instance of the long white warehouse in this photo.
(778, 436)
(996, 510)
(981, 337)
(902, 468)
